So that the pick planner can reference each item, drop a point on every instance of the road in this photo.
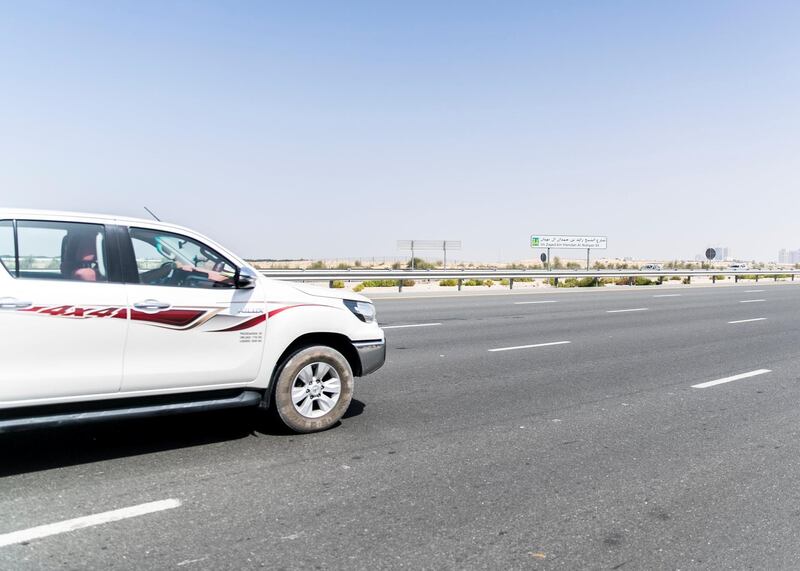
(501, 434)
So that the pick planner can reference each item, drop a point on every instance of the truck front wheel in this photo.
(313, 389)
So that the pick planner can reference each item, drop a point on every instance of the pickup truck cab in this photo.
(106, 317)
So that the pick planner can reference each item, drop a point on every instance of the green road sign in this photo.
(534, 241)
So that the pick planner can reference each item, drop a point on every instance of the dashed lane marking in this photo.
(529, 346)
(65, 526)
(731, 379)
(411, 325)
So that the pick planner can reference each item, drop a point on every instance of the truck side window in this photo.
(8, 258)
(163, 258)
(61, 250)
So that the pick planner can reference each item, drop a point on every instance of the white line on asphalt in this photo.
(753, 290)
(749, 320)
(626, 310)
(531, 302)
(668, 295)
(733, 378)
(86, 521)
(751, 300)
(529, 346)
(405, 326)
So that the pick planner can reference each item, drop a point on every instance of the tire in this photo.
(304, 394)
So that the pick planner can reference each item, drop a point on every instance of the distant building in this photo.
(789, 256)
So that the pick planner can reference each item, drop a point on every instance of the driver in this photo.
(163, 275)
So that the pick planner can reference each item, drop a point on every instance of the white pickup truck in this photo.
(105, 317)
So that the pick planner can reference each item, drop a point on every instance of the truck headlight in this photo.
(363, 310)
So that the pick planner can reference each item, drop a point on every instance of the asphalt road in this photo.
(580, 443)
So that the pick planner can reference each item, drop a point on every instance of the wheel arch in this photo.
(336, 341)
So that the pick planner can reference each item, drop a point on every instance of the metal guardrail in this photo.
(495, 274)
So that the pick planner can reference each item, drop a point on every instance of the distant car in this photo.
(651, 268)
(738, 266)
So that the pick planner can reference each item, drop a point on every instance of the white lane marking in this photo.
(753, 290)
(668, 295)
(751, 300)
(749, 320)
(406, 326)
(529, 346)
(86, 521)
(626, 310)
(730, 379)
(531, 302)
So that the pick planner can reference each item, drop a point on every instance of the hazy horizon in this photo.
(321, 130)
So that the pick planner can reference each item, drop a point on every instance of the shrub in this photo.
(687, 281)
(420, 264)
(718, 277)
(448, 283)
(586, 282)
(488, 283)
(383, 283)
(337, 284)
(622, 281)
(573, 266)
(342, 266)
(473, 283)
(504, 282)
(318, 265)
(642, 281)
(675, 278)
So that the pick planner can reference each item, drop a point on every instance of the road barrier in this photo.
(359, 275)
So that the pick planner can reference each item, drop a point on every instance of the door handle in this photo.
(151, 305)
(12, 303)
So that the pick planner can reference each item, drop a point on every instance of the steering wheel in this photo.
(176, 276)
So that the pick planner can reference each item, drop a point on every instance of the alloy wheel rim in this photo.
(316, 390)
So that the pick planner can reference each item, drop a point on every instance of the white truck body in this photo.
(113, 327)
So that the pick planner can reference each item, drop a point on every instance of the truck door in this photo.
(190, 326)
(62, 318)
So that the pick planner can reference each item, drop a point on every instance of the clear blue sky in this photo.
(325, 129)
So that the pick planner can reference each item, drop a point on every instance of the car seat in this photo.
(79, 256)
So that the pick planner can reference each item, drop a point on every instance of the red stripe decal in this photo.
(252, 322)
(173, 317)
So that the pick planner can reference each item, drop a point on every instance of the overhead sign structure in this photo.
(443, 245)
(569, 242)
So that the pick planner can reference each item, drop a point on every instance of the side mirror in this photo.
(245, 278)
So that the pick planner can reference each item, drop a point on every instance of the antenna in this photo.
(150, 212)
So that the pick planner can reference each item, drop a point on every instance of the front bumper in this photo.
(372, 355)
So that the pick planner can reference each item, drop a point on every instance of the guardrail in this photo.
(460, 275)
